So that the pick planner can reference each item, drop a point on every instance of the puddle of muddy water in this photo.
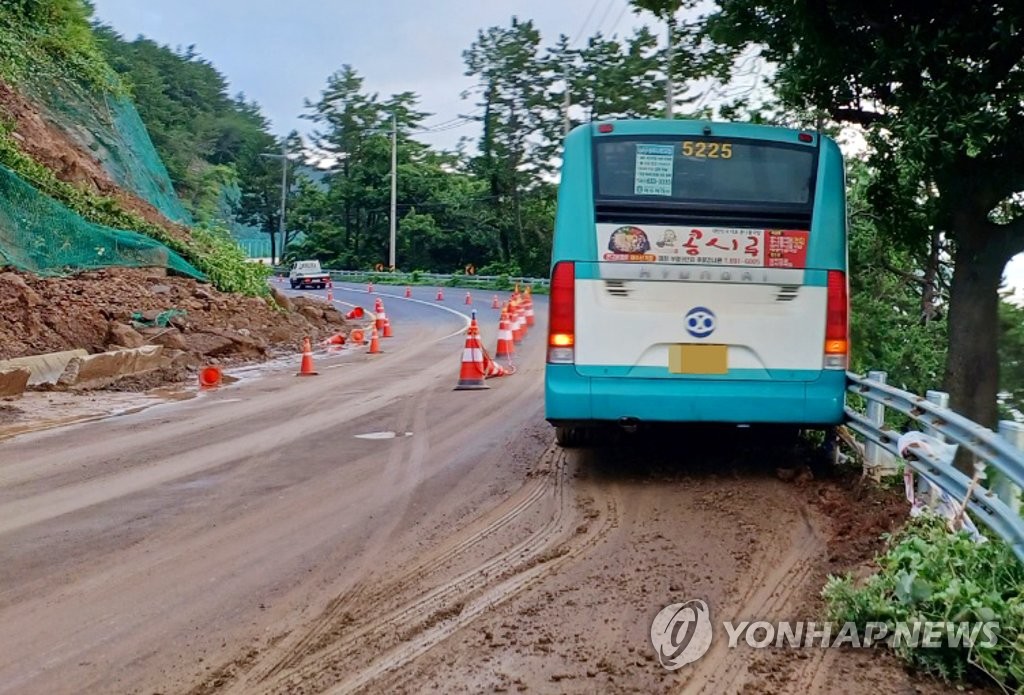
(36, 411)
(43, 410)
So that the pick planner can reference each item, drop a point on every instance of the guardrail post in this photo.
(1009, 493)
(941, 399)
(878, 463)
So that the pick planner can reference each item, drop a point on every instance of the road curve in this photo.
(372, 530)
(140, 550)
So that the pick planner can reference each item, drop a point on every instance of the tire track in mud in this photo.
(366, 626)
(772, 594)
(339, 611)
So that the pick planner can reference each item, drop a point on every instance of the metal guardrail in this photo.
(385, 277)
(998, 508)
(402, 278)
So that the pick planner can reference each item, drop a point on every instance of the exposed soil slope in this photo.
(95, 311)
(49, 145)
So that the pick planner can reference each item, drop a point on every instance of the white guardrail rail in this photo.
(996, 506)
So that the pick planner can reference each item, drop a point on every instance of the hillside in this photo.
(85, 198)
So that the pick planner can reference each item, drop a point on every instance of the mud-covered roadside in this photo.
(119, 307)
(602, 540)
(112, 309)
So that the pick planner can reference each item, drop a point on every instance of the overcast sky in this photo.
(280, 53)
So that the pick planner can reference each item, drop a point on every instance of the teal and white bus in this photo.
(699, 274)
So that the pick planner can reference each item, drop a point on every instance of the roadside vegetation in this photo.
(927, 574)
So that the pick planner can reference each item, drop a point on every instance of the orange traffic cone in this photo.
(530, 321)
(469, 299)
(374, 342)
(516, 325)
(521, 315)
(356, 313)
(387, 327)
(440, 295)
(330, 294)
(210, 377)
(408, 292)
(472, 372)
(493, 369)
(356, 336)
(307, 359)
(369, 288)
(494, 302)
(382, 319)
(336, 339)
(505, 346)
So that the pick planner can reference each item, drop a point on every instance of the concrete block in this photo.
(104, 368)
(45, 369)
(13, 381)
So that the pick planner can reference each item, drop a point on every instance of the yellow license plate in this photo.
(698, 359)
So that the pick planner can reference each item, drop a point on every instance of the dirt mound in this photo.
(123, 307)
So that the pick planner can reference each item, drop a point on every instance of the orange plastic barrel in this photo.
(210, 376)
(357, 336)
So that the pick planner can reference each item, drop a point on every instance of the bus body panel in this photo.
(629, 315)
(770, 332)
(578, 400)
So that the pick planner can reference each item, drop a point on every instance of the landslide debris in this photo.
(126, 307)
(44, 141)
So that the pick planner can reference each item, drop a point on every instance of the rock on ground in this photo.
(117, 306)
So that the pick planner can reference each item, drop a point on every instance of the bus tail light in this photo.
(837, 323)
(562, 314)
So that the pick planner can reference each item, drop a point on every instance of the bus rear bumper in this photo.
(573, 399)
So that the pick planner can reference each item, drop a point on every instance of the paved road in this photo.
(372, 530)
(138, 550)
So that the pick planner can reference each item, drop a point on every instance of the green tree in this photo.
(513, 87)
(938, 88)
(896, 322)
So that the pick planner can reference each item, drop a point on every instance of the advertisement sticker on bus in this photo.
(653, 170)
(755, 248)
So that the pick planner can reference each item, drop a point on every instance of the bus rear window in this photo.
(701, 170)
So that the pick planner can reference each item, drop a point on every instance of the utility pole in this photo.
(567, 123)
(669, 84)
(284, 198)
(284, 192)
(394, 187)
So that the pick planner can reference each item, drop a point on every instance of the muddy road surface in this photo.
(372, 530)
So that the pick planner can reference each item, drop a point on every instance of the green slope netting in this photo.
(40, 235)
(111, 129)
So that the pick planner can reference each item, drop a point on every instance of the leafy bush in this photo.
(222, 259)
(501, 268)
(928, 574)
(45, 39)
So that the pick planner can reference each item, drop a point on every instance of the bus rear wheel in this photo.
(569, 437)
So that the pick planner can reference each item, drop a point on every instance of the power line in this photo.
(611, 3)
(470, 116)
(619, 18)
(586, 21)
(453, 126)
